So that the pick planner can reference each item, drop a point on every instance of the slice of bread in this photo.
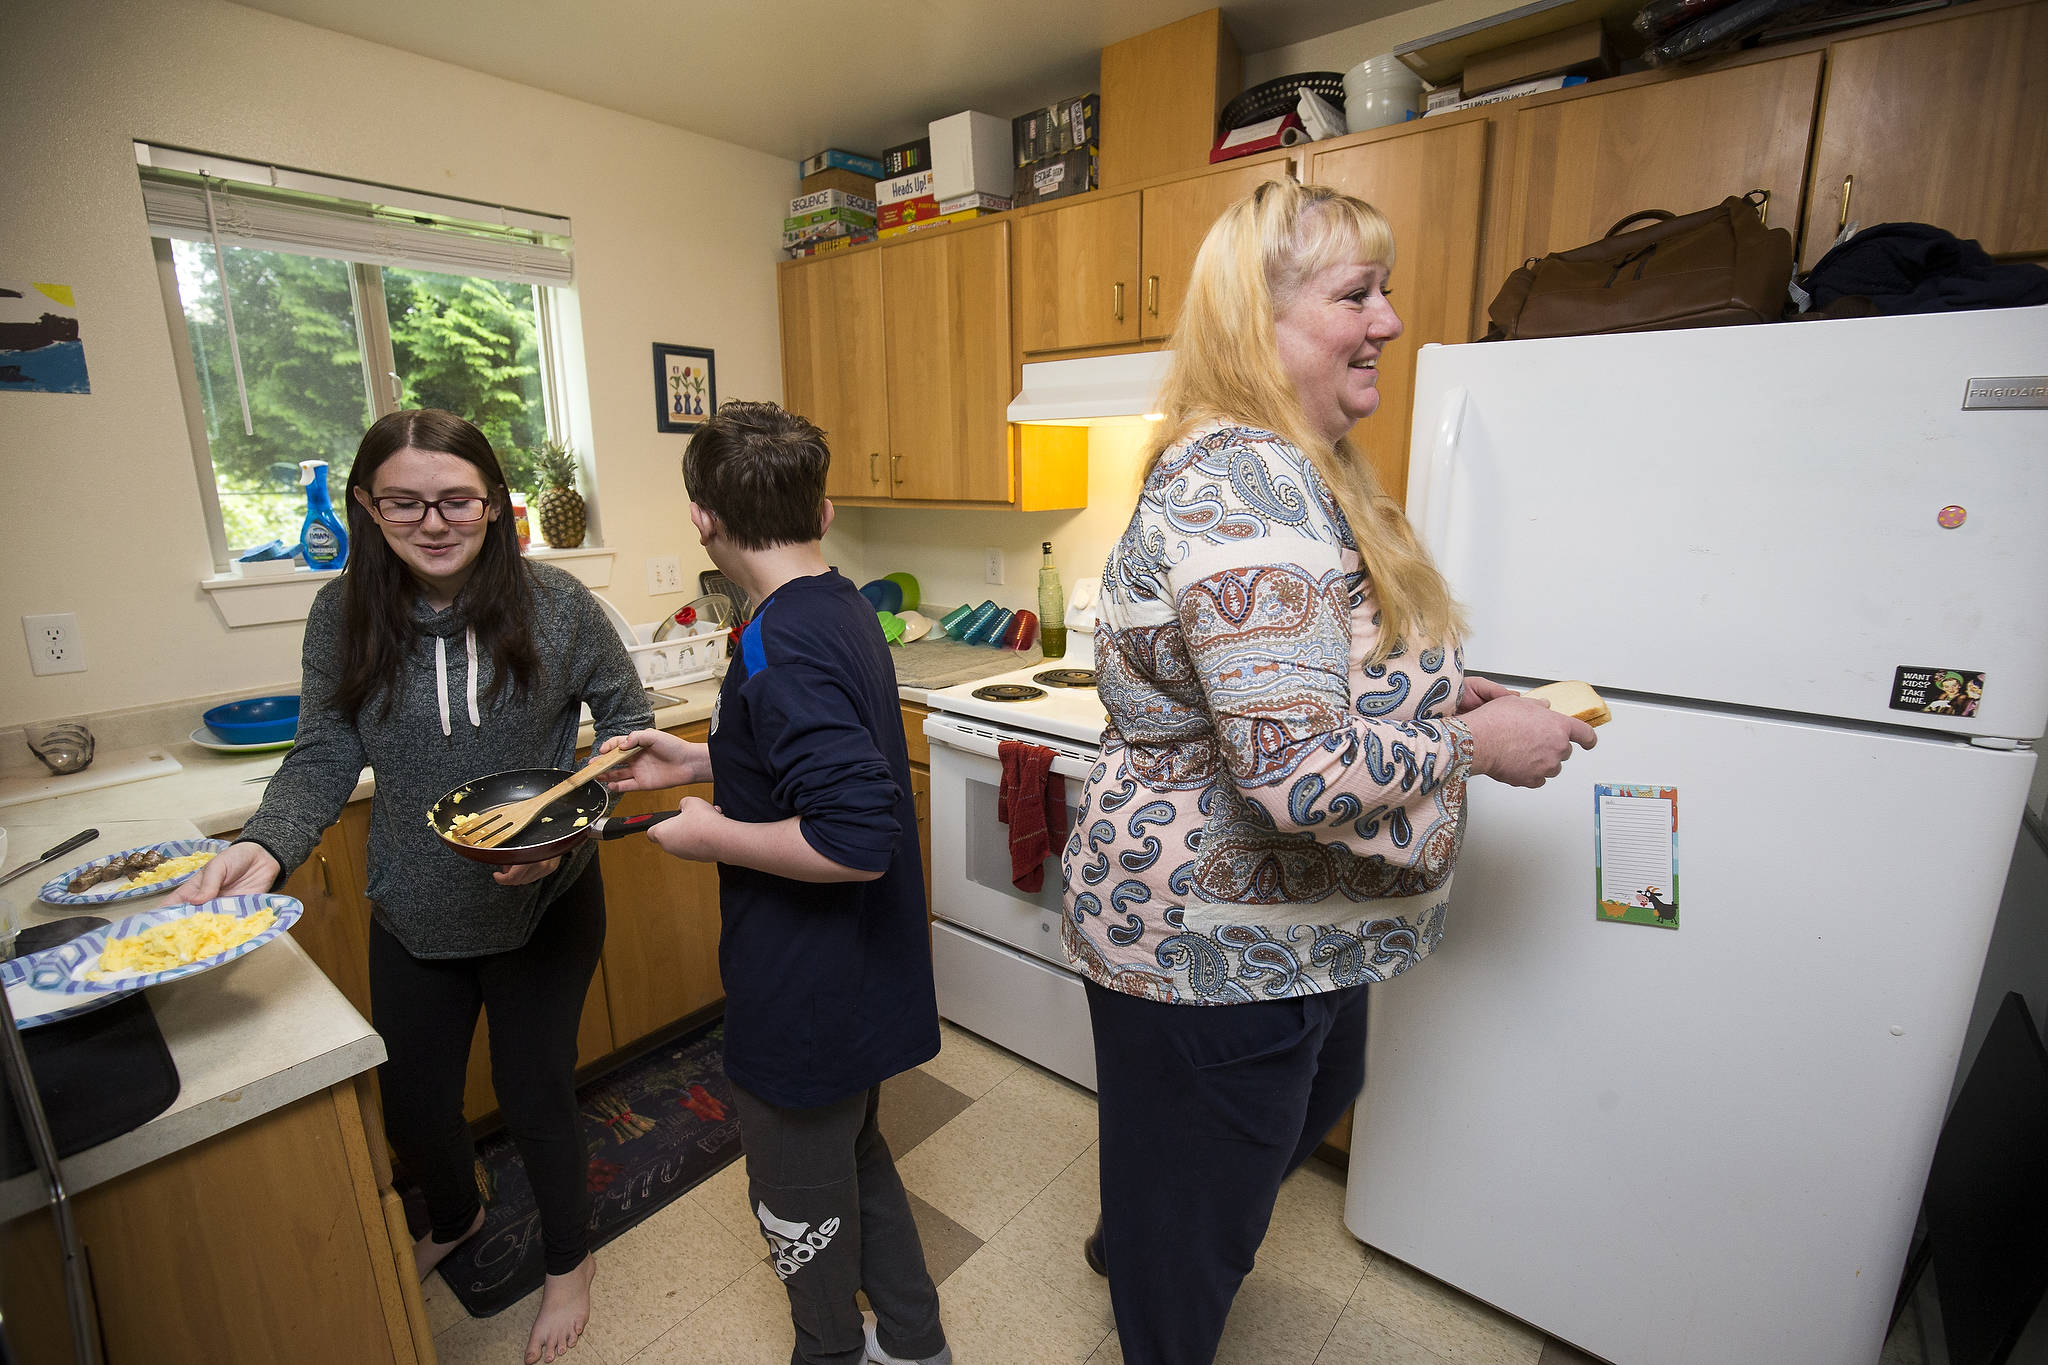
(1575, 699)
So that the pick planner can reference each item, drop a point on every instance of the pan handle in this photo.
(619, 826)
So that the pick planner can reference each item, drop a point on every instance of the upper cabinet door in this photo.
(1581, 165)
(1077, 274)
(1177, 217)
(1938, 124)
(946, 341)
(1429, 185)
(832, 368)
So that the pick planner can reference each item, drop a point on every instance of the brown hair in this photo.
(1226, 366)
(379, 590)
(761, 471)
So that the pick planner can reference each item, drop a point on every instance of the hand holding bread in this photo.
(1524, 740)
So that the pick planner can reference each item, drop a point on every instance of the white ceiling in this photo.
(793, 77)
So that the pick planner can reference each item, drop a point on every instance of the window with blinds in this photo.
(303, 307)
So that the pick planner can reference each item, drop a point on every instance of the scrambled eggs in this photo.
(168, 869)
(179, 941)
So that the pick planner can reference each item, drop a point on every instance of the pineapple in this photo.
(559, 506)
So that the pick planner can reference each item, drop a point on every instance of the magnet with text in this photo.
(1941, 691)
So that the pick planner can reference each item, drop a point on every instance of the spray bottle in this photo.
(1052, 608)
(322, 538)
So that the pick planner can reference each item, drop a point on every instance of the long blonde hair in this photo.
(1226, 365)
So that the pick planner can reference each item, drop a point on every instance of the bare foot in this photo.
(564, 1310)
(428, 1253)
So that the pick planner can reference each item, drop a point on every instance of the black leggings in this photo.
(426, 1009)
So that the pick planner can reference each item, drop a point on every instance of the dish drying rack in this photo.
(679, 659)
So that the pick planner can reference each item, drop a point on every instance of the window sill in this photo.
(264, 600)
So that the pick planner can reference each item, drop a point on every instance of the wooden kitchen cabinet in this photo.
(949, 372)
(1177, 216)
(832, 369)
(268, 1242)
(1162, 92)
(1937, 123)
(335, 928)
(1081, 262)
(1429, 185)
(920, 752)
(661, 937)
(1584, 163)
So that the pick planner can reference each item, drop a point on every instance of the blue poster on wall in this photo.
(40, 349)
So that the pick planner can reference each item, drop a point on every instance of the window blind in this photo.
(275, 209)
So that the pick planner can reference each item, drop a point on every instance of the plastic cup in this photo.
(1023, 631)
(954, 622)
(990, 632)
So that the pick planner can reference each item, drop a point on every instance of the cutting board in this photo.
(110, 768)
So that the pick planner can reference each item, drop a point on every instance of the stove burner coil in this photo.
(1008, 692)
(1066, 677)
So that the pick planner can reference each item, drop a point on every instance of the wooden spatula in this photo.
(496, 826)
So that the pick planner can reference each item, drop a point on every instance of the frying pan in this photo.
(582, 814)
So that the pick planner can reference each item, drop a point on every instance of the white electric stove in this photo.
(996, 950)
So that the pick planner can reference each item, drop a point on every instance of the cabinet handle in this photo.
(1119, 300)
(895, 471)
(1152, 295)
(326, 881)
(874, 474)
(1848, 189)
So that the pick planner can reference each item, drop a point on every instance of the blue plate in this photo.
(54, 983)
(258, 720)
(106, 894)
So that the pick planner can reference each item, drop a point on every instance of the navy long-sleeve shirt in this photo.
(828, 985)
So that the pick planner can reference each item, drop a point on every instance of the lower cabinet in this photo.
(661, 936)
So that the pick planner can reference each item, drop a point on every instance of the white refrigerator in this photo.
(1670, 1086)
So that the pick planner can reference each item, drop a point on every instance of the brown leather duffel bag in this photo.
(1716, 268)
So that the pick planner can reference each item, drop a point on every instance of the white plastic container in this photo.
(1379, 91)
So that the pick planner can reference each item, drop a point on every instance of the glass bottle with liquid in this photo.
(1052, 608)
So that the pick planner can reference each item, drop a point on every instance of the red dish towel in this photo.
(1033, 803)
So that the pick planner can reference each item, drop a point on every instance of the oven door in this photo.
(971, 848)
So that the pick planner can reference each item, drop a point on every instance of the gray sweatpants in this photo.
(825, 1189)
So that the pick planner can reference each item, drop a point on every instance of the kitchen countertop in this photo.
(247, 1038)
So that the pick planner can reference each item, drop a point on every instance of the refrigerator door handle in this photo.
(1443, 463)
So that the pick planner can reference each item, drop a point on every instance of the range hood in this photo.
(1074, 392)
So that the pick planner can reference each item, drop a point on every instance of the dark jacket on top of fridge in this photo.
(828, 985)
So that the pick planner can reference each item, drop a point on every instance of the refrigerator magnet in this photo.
(1635, 854)
(1944, 691)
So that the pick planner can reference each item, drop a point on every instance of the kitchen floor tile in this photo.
(724, 1197)
(444, 1310)
(1359, 1336)
(1431, 1314)
(947, 1245)
(969, 1063)
(916, 1104)
(746, 1323)
(1307, 1237)
(997, 1310)
(993, 1159)
(661, 1271)
(1556, 1352)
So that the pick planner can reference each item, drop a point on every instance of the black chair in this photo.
(1985, 1212)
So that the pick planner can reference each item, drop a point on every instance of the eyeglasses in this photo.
(406, 511)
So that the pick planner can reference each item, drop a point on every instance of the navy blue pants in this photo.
(1204, 1110)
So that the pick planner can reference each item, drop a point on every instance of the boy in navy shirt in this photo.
(823, 945)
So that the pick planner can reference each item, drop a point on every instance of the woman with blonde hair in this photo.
(1280, 798)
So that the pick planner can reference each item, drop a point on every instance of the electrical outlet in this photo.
(53, 643)
(664, 575)
(992, 572)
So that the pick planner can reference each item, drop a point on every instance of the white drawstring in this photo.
(469, 636)
(441, 678)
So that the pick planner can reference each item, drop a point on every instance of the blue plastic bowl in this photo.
(883, 595)
(259, 720)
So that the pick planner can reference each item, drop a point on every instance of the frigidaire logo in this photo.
(2007, 391)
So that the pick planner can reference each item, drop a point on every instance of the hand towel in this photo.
(1032, 801)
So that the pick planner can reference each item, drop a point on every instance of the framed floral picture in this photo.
(685, 387)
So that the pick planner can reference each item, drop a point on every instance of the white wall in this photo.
(675, 241)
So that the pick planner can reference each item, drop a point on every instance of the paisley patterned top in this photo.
(1270, 817)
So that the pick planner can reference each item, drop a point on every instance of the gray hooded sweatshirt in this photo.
(442, 731)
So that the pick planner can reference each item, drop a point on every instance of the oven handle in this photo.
(985, 745)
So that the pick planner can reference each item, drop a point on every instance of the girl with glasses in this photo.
(441, 654)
